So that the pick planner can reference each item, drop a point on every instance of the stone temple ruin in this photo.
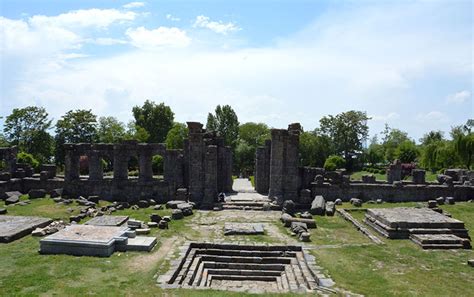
(197, 173)
(278, 174)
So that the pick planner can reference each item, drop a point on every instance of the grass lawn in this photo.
(397, 268)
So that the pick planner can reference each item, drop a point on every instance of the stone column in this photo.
(145, 167)
(71, 163)
(96, 172)
(228, 170)
(277, 161)
(173, 169)
(418, 176)
(120, 162)
(196, 162)
(262, 168)
(210, 180)
(291, 176)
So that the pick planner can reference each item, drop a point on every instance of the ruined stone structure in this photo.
(278, 174)
(204, 167)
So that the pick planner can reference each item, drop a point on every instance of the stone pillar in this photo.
(120, 162)
(394, 171)
(145, 168)
(71, 163)
(96, 172)
(210, 176)
(291, 177)
(173, 169)
(418, 176)
(228, 181)
(277, 161)
(262, 168)
(196, 152)
(9, 156)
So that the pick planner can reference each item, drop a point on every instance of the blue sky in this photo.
(406, 63)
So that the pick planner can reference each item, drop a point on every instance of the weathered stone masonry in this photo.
(277, 173)
(204, 167)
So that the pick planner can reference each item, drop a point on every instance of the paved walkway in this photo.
(243, 185)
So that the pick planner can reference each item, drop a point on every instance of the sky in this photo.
(408, 64)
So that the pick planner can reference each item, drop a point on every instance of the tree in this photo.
(314, 149)
(226, 123)
(244, 157)
(347, 131)
(110, 130)
(431, 137)
(3, 141)
(176, 136)
(135, 132)
(334, 162)
(392, 138)
(406, 152)
(464, 143)
(74, 127)
(375, 154)
(254, 134)
(27, 128)
(156, 119)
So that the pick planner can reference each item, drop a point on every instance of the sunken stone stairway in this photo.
(252, 268)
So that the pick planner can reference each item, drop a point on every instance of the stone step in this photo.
(244, 278)
(240, 207)
(245, 247)
(436, 238)
(255, 260)
(244, 266)
(243, 272)
(458, 232)
(244, 253)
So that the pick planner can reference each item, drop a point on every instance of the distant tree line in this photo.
(337, 142)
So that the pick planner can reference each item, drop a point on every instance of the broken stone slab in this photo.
(173, 204)
(187, 211)
(450, 200)
(163, 224)
(56, 193)
(440, 200)
(338, 201)
(154, 217)
(184, 206)
(142, 231)
(37, 193)
(15, 227)
(158, 207)
(167, 218)
(432, 204)
(177, 214)
(470, 262)
(318, 206)
(289, 207)
(12, 200)
(243, 229)
(94, 199)
(306, 215)
(3, 211)
(152, 224)
(305, 236)
(143, 204)
(330, 208)
(105, 220)
(298, 227)
(134, 224)
(356, 202)
(287, 220)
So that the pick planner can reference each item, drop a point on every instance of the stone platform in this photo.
(250, 268)
(15, 227)
(243, 229)
(90, 240)
(107, 221)
(425, 227)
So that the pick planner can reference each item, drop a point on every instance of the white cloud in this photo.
(160, 37)
(459, 97)
(218, 27)
(83, 18)
(172, 18)
(385, 118)
(134, 5)
(432, 116)
(108, 41)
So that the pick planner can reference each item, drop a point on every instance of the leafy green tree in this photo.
(157, 164)
(74, 127)
(176, 136)
(375, 154)
(314, 149)
(3, 141)
(406, 152)
(432, 137)
(110, 130)
(156, 119)
(135, 132)
(464, 144)
(23, 157)
(347, 131)
(392, 138)
(254, 134)
(226, 123)
(334, 162)
(27, 128)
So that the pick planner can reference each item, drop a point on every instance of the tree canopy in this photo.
(176, 136)
(226, 123)
(156, 119)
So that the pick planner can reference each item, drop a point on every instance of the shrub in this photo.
(23, 157)
(381, 171)
(334, 162)
(157, 164)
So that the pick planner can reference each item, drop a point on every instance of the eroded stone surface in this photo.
(243, 229)
(15, 227)
(107, 221)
